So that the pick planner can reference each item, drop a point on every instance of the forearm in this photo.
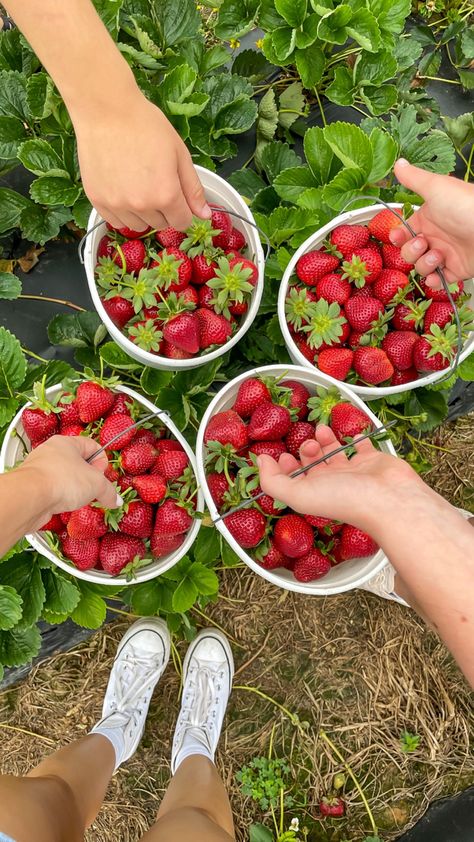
(25, 503)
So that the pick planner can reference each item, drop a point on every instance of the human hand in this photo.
(135, 168)
(444, 225)
(66, 480)
(362, 490)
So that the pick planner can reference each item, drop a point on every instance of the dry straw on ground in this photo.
(362, 669)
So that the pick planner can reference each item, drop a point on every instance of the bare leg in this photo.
(195, 807)
(61, 797)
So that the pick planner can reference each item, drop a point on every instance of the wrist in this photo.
(113, 95)
(37, 486)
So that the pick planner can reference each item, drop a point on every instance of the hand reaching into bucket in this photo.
(444, 225)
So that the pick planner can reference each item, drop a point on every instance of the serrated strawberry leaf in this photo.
(19, 646)
(91, 610)
(23, 574)
(10, 607)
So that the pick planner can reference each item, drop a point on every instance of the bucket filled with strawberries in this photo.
(177, 300)
(273, 410)
(350, 306)
(152, 467)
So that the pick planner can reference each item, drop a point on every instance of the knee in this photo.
(190, 822)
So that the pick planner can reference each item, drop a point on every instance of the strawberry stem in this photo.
(350, 772)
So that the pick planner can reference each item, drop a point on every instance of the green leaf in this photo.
(76, 330)
(247, 182)
(276, 157)
(49, 190)
(251, 65)
(53, 372)
(177, 20)
(184, 596)
(308, 32)
(407, 52)
(81, 211)
(213, 58)
(430, 63)
(344, 187)
(310, 64)
(204, 579)
(293, 11)
(40, 95)
(460, 129)
(40, 158)
(350, 145)
(466, 77)
(91, 610)
(13, 100)
(10, 286)
(379, 99)
(12, 134)
(23, 574)
(292, 104)
(291, 182)
(267, 121)
(236, 117)
(390, 14)
(12, 363)
(259, 833)
(229, 556)
(466, 368)
(206, 548)
(434, 404)
(283, 223)
(434, 152)
(12, 205)
(61, 594)
(364, 29)
(332, 26)
(341, 90)
(109, 11)
(40, 224)
(467, 42)
(8, 408)
(19, 646)
(152, 380)
(384, 153)
(283, 40)
(373, 70)
(146, 598)
(10, 607)
(319, 155)
(236, 17)
(178, 84)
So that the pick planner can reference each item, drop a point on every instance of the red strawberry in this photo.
(355, 543)
(106, 247)
(203, 269)
(39, 424)
(71, 430)
(84, 554)
(148, 436)
(122, 405)
(54, 524)
(138, 458)
(137, 519)
(325, 525)
(239, 308)
(93, 401)
(348, 238)
(65, 517)
(270, 557)
(164, 544)
(252, 392)
(422, 359)
(221, 221)
(130, 256)
(389, 282)
(354, 338)
(245, 263)
(299, 432)
(171, 519)
(125, 482)
(409, 315)
(189, 296)
(168, 444)
(401, 377)
(334, 287)
(348, 421)
(170, 238)
(270, 448)
(299, 397)
(171, 464)
(383, 222)
(336, 362)
(205, 296)
(392, 259)
(334, 807)
(247, 527)
(119, 309)
(438, 313)
(269, 422)
(267, 503)
(111, 473)
(116, 551)
(218, 486)
(213, 328)
(398, 345)
(69, 412)
(372, 365)
(173, 269)
(305, 349)
(293, 536)
(236, 241)
(129, 233)
(455, 289)
(311, 267)
(314, 565)
(183, 332)
(364, 267)
(362, 311)
(87, 522)
(151, 488)
(112, 426)
(228, 428)
(173, 353)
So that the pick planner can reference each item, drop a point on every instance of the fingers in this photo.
(273, 476)
(416, 179)
(86, 448)
(108, 215)
(429, 262)
(106, 494)
(192, 188)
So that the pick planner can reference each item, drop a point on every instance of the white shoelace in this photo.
(200, 703)
(135, 673)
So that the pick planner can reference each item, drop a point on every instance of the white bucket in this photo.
(218, 192)
(343, 577)
(12, 451)
(356, 217)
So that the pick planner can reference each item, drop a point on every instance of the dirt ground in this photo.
(362, 669)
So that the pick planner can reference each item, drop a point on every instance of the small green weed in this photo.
(409, 742)
(263, 780)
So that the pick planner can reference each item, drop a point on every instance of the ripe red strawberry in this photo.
(354, 338)
(409, 315)
(164, 544)
(119, 309)
(203, 269)
(422, 360)
(299, 432)
(137, 519)
(125, 482)
(334, 287)
(189, 296)
(267, 503)
(87, 522)
(214, 329)
(364, 267)
(111, 473)
(324, 525)
(106, 247)
(205, 296)
(305, 349)
(311, 267)
(148, 436)
(171, 464)
(116, 551)
(270, 448)
(112, 426)
(252, 392)
(247, 527)
(299, 397)
(372, 365)
(54, 524)
(337, 362)
(228, 428)
(382, 223)
(218, 486)
(438, 313)
(348, 421)
(236, 241)
(130, 256)
(151, 488)
(170, 238)
(392, 259)
(183, 332)
(71, 430)
(163, 445)
(269, 556)
(314, 565)
(239, 308)
(362, 311)
(401, 377)
(138, 458)
(84, 554)
(173, 269)
(334, 806)
(93, 401)
(293, 536)
(173, 353)
(221, 221)
(456, 289)
(39, 424)
(398, 345)
(355, 543)
(171, 519)
(122, 405)
(269, 422)
(245, 263)
(389, 282)
(69, 412)
(348, 238)
(129, 233)
(65, 517)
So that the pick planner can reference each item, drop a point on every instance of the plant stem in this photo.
(291, 716)
(349, 771)
(468, 172)
(440, 79)
(35, 356)
(321, 109)
(25, 731)
(54, 301)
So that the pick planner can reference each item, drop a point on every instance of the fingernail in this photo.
(206, 212)
(118, 501)
(392, 237)
(259, 462)
(402, 162)
(432, 259)
(417, 245)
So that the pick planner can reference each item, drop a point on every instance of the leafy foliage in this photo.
(263, 780)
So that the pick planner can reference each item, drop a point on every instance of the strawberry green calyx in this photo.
(173, 305)
(130, 570)
(378, 329)
(322, 403)
(93, 377)
(297, 308)
(39, 400)
(355, 270)
(417, 310)
(442, 341)
(231, 285)
(199, 237)
(325, 323)
(186, 485)
(146, 335)
(166, 272)
(331, 248)
(139, 290)
(108, 275)
(220, 455)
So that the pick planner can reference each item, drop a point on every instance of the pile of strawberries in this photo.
(174, 294)
(359, 312)
(276, 416)
(150, 470)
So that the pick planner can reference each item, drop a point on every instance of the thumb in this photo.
(192, 188)
(418, 180)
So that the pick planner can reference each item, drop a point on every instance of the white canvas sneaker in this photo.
(208, 671)
(141, 659)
